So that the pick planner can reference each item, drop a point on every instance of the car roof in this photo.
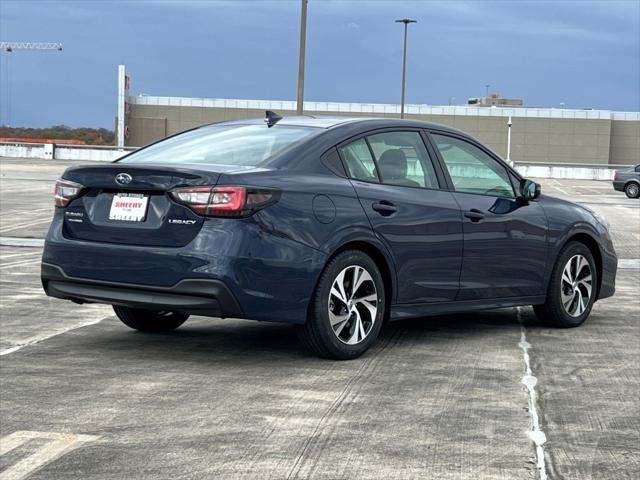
(327, 122)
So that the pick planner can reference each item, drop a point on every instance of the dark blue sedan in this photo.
(332, 224)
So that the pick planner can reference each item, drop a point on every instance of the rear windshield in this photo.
(245, 145)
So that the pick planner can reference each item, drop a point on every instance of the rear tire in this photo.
(632, 190)
(572, 288)
(344, 323)
(148, 320)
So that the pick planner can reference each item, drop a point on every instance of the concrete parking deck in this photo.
(84, 397)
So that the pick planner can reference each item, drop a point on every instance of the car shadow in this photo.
(472, 324)
(205, 340)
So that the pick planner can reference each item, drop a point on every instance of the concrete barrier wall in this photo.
(22, 150)
(573, 172)
(63, 152)
(109, 154)
(533, 170)
(84, 153)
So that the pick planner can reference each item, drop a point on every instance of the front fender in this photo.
(579, 228)
(598, 238)
(567, 220)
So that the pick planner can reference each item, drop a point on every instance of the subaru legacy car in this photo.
(335, 225)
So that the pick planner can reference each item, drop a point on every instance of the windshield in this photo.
(243, 145)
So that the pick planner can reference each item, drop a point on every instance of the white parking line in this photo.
(25, 212)
(605, 195)
(21, 263)
(49, 179)
(21, 242)
(4, 256)
(38, 339)
(536, 435)
(629, 264)
(24, 225)
(58, 445)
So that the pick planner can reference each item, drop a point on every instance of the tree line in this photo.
(91, 136)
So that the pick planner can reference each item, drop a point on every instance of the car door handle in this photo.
(474, 215)
(384, 208)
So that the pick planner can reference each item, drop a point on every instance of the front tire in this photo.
(347, 308)
(632, 190)
(148, 320)
(572, 288)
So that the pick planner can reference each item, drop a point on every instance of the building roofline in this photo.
(382, 109)
(329, 122)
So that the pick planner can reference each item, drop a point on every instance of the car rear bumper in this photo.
(270, 276)
(190, 296)
(618, 185)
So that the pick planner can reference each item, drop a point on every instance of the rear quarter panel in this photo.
(319, 211)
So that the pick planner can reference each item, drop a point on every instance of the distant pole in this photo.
(122, 98)
(509, 142)
(303, 45)
(7, 69)
(487, 90)
(406, 22)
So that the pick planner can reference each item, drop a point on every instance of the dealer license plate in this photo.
(129, 207)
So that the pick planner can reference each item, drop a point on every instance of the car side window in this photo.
(403, 159)
(637, 168)
(358, 161)
(471, 169)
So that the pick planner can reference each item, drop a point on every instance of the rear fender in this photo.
(363, 236)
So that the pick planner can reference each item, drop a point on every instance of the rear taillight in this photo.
(224, 201)
(65, 191)
(615, 175)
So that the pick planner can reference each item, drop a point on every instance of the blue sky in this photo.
(576, 53)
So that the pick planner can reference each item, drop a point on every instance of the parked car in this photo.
(332, 224)
(628, 181)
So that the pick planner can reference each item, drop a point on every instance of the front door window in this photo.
(471, 169)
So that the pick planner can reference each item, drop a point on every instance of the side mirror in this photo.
(529, 190)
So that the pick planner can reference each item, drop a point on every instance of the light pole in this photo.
(487, 90)
(303, 43)
(406, 22)
(509, 161)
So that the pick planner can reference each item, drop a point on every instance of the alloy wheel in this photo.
(576, 285)
(353, 304)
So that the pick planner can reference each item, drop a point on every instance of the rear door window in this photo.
(403, 159)
(359, 162)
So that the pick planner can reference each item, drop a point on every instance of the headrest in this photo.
(393, 164)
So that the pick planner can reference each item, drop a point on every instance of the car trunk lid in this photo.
(130, 204)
